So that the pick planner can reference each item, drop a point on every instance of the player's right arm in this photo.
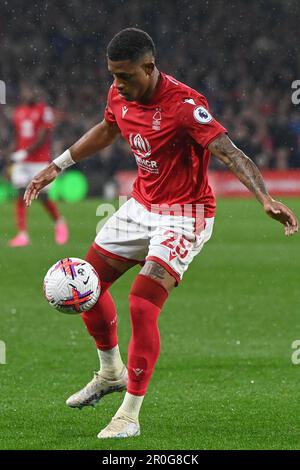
(248, 173)
(100, 136)
(210, 134)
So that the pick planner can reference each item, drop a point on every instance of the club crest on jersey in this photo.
(156, 120)
(202, 115)
(140, 146)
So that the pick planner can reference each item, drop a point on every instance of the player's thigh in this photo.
(107, 268)
(157, 272)
(174, 248)
(123, 237)
(121, 266)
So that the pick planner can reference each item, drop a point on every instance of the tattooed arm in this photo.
(248, 173)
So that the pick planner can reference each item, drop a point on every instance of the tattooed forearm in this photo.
(241, 165)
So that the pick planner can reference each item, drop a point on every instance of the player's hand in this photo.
(42, 179)
(283, 214)
(19, 156)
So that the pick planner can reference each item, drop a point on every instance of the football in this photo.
(72, 285)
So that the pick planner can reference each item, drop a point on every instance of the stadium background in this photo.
(240, 296)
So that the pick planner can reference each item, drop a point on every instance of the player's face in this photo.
(27, 94)
(132, 78)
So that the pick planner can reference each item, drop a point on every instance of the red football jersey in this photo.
(169, 138)
(28, 121)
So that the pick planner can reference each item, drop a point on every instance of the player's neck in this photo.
(152, 88)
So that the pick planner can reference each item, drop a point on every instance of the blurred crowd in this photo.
(242, 55)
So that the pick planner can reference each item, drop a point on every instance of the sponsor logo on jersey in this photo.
(156, 121)
(140, 146)
(26, 128)
(124, 111)
(141, 149)
(149, 165)
(202, 115)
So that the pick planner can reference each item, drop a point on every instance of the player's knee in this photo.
(144, 287)
(155, 271)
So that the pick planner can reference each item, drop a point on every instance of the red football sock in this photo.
(101, 320)
(146, 299)
(52, 209)
(21, 214)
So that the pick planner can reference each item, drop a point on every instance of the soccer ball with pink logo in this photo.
(72, 285)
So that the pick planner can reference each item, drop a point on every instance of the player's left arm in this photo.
(248, 173)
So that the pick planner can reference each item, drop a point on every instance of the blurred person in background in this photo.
(33, 123)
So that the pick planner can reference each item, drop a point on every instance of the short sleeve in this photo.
(108, 112)
(47, 117)
(198, 121)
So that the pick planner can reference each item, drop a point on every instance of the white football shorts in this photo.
(22, 173)
(134, 233)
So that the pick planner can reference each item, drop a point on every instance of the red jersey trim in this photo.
(215, 136)
(109, 254)
(208, 213)
(111, 123)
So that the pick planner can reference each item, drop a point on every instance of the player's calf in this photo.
(146, 300)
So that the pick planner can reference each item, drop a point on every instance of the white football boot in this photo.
(120, 427)
(96, 389)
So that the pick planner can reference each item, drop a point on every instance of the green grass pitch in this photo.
(224, 379)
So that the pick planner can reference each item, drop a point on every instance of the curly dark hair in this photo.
(130, 44)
